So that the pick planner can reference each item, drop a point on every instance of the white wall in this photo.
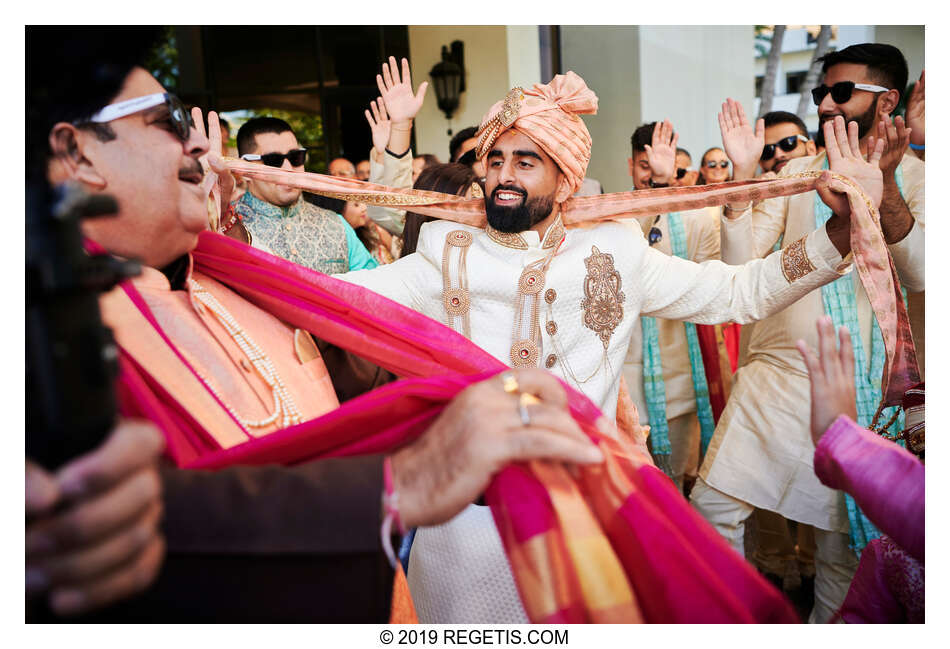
(496, 58)
(648, 73)
(606, 58)
(687, 72)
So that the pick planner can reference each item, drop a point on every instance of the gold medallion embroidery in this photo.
(524, 353)
(795, 261)
(603, 301)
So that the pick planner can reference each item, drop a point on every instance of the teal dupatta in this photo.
(654, 388)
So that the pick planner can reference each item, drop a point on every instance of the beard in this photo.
(865, 122)
(517, 218)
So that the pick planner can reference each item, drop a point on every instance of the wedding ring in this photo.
(523, 400)
(509, 382)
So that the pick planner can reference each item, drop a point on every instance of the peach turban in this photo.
(548, 114)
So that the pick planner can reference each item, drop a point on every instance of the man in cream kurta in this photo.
(761, 453)
(582, 308)
(653, 164)
(702, 244)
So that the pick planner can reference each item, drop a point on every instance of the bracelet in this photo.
(729, 208)
(916, 147)
(233, 218)
(391, 508)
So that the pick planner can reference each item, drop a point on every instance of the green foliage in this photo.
(162, 61)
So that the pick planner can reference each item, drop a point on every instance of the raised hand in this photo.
(379, 124)
(896, 138)
(396, 91)
(915, 111)
(741, 142)
(218, 180)
(662, 154)
(844, 157)
(832, 377)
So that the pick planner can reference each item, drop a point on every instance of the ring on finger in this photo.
(509, 382)
(523, 400)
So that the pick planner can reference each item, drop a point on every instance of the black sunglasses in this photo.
(712, 164)
(655, 236)
(680, 172)
(841, 92)
(297, 158)
(786, 144)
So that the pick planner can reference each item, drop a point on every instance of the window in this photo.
(759, 80)
(794, 82)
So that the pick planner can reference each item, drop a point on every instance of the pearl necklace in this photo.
(284, 407)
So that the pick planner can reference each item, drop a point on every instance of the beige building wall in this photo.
(647, 73)
(496, 58)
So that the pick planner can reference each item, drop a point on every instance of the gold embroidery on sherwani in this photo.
(552, 237)
(526, 334)
(795, 261)
(603, 301)
(456, 300)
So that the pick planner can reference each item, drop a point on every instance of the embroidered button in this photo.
(531, 282)
(459, 238)
(550, 295)
(456, 301)
(551, 328)
(550, 361)
(524, 353)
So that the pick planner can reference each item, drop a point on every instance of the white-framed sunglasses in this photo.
(180, 117)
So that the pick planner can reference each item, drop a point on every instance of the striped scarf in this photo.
(840, 304)
(654, 388)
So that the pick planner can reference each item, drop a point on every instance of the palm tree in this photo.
(771, 69)
(811, 79)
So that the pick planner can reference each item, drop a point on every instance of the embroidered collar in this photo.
(514, 239)
(263, 208)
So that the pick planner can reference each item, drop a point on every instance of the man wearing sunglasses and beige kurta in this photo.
(760, 455)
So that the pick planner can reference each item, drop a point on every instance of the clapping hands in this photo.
(396, 91)
(661, 155)
(742, 143)
(831, 373)
(845, 157)
(379, 124)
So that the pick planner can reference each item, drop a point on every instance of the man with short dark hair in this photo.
(462, 142)
(278, 219)
(786, 138)
(663, 368)
(762, 457)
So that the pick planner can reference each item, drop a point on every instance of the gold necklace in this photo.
(285, 408)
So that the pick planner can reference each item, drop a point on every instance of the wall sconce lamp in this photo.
(448, 78)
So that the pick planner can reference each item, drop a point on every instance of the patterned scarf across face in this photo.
(840, 304)
(654, 387)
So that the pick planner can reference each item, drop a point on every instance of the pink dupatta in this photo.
(613, 543)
